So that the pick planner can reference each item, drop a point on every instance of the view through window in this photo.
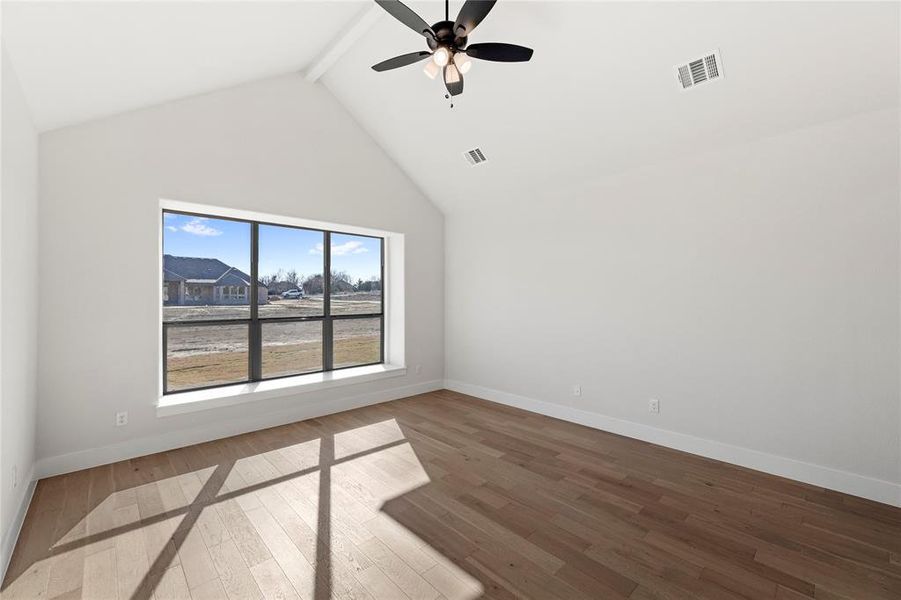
(248, 301)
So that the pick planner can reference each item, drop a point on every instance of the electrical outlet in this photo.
(577, 390)
(15, 476)
(121, 419)
(654, 405)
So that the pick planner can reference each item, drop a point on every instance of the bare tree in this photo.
(292, 277)
(341, 282)
(273, 278)
(312, 285)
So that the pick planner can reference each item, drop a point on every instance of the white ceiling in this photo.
(598, 97)
(78, 61)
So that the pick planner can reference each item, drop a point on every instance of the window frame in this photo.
(254, 322)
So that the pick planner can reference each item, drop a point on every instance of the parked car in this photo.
(292, 294)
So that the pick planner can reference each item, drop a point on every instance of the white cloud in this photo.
(196, 227)
(349, 248)
(342, 249)
(171, 228)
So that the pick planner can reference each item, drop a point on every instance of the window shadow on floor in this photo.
(77, 514)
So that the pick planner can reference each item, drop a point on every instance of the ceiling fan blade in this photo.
(400, 61)
(453, 80)
(405, 15)
(499, 52)
(472, 13)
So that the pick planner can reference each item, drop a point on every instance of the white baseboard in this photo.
(12, 534)
(820, 476)
(84, 459)
(826, 477)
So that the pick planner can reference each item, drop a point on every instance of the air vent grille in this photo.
(698, 74)
(710, 61)
(474, 157)
(685, 76)
(700, 70)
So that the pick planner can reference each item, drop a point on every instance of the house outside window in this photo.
(228, 316)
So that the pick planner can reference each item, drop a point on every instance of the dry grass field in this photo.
(205, 356)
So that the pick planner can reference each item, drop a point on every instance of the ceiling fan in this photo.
(447, 42)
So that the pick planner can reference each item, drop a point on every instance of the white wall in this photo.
(18, 305)
(754, 291)
(281, 146)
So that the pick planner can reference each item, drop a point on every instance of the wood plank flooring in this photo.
(444, 496)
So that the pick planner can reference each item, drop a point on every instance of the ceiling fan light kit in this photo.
(431, 69)
(448, 43)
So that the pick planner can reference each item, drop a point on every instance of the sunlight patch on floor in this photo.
(304, 520)
(362, 439)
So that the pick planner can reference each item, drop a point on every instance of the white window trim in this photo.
(392, 287)
(196, 400)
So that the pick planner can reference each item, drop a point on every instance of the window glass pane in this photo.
(203, 259)
(290, 268)
(356, 275)
(357, 341)
(292, 348)
(205, 355)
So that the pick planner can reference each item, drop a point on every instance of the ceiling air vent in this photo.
(700, 70)
(474, 157)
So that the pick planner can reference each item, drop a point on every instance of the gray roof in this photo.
(209, 270)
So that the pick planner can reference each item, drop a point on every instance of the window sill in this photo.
(187, 402)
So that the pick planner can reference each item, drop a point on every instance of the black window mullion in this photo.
(382, 338)
(327, 330)
(382, 298)
(355, 316)
(255, 342)
(165, 358)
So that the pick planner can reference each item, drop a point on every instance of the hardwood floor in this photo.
(446, 496)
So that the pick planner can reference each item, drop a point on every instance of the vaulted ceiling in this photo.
(598, 97)
(78, 61)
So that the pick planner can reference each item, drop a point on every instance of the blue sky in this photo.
(358, 256)
(280, 247)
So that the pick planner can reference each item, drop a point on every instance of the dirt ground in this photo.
(212, 355)
(216, 368)
(342, 304)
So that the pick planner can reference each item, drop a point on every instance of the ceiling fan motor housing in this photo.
(444, 36)
(447, 39)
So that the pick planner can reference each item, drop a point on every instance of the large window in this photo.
(248, 301)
